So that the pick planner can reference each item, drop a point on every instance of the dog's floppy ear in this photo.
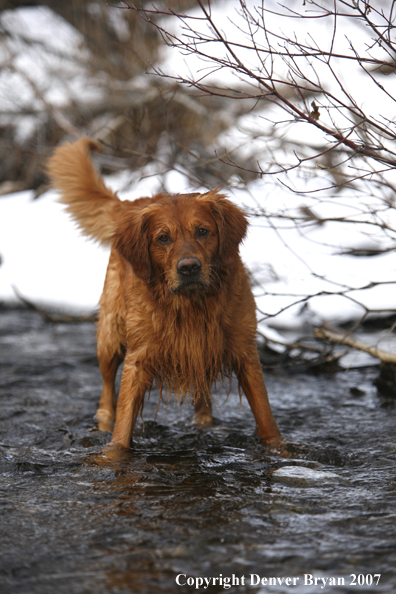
(131, 241)
(231, 223)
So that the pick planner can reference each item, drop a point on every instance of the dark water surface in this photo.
(202, 503)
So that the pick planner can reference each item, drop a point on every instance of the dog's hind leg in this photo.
(203, 409)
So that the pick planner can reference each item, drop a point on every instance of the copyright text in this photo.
(308, 579)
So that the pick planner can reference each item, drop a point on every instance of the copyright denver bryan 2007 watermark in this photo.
(253, 579)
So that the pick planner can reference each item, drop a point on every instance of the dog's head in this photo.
(182, 240)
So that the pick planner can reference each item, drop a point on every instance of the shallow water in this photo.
(197, 502)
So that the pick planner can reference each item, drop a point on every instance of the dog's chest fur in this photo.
(197, 355)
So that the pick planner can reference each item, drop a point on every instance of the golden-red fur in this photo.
(176, 303)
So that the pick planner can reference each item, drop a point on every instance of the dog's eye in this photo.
(202, 232)
(163, 238)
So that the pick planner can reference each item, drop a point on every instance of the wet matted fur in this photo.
(176, 304)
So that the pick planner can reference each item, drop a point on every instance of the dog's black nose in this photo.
(189, 266)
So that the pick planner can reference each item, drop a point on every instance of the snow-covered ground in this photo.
(48, 261)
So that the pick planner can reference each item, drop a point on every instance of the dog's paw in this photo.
(113, 453)
(203, 419)
(104, 419)
(278, 446)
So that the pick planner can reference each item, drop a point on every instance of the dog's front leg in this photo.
(132, 390)
(251, 379)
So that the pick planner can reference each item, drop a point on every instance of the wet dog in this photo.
(177, 305)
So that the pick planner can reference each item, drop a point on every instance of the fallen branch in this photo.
(356, 344)
(53, 317)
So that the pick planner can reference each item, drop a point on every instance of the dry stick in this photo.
(356, 344)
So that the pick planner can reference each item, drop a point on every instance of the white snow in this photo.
(44, 257)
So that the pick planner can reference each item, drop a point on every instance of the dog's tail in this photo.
(94, 207)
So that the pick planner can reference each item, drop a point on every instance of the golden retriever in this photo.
(177, 305)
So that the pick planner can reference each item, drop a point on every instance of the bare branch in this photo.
(356, 344)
